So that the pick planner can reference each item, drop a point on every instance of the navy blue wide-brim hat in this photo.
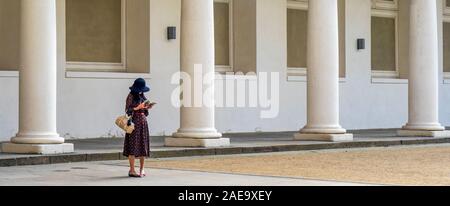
(139, 86)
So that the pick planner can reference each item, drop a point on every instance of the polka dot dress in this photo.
(137, 143)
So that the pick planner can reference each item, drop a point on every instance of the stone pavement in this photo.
(113, 173)
(105, 149)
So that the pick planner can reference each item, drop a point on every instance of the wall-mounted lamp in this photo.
(361, 44)
(171, 32)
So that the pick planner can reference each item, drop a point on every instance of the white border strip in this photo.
(389, 81)
(9, 74)
(107, 75)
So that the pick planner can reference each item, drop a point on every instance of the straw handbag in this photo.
(122, 123)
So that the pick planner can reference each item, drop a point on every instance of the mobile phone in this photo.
(148, 103)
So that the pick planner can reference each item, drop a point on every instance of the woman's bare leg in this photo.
(131, 159)
(142, 164)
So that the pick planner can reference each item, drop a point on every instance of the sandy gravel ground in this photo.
(424, 165)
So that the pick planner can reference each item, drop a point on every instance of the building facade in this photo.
(370, 49)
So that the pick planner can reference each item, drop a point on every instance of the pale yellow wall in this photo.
(342, 32)
(244, 27)
(446, 34)
(383, 44)
(297, 38)
(93, 30)
(138, 36)
(9, 34)
(403, 41)
(222, 31)
(440, 20)
(384, 59)
(296, 30)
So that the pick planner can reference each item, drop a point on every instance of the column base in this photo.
(42, 149)
(424, 127)
(423, 133)
(194, 134)
(324, 137)
(190, 142)
(37, 138)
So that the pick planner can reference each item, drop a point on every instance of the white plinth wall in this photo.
(424, 73)
(323, 74)
(37, 99)
(197, 126)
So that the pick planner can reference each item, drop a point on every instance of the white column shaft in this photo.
(323, 68)
(197, 48)
(423, 73)
(37, 109)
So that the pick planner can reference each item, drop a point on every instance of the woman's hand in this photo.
(139, 107)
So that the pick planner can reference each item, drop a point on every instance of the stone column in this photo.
(423, 72)
(323, 74)
(197, 61)
(37, 82)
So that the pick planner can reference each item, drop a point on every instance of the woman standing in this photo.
(137, 144)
